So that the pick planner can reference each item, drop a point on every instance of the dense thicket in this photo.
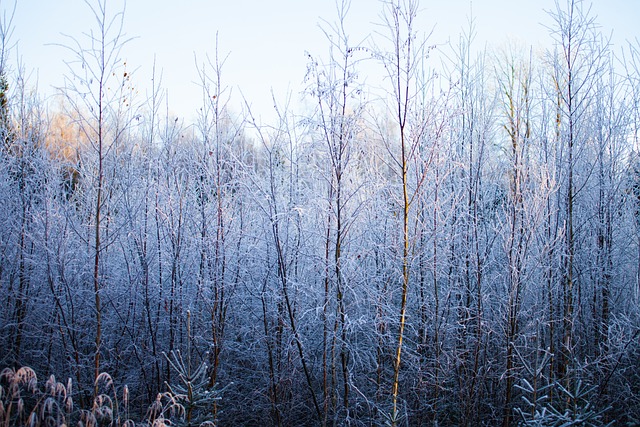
(455, 244)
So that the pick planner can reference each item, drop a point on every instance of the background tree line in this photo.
(455, 244)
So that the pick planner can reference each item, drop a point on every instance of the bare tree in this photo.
(218, 161)
(98, 93)
(579, 59)
(334, 85)
(473, 212)
(515, 78)
(402, 63)
(279, 200)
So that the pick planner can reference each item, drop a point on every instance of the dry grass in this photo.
(24, 402)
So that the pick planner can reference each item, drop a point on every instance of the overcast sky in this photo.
(266, 39)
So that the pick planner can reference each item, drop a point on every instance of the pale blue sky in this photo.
(265, 39)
